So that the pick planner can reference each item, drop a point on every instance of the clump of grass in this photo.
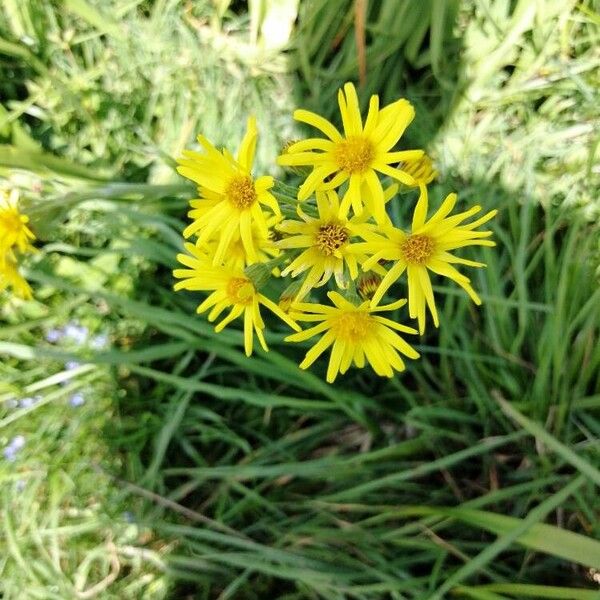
(67, 531)
(122, 90)
(527, 116)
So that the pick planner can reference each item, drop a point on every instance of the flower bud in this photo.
(422, 170)
(367, 284)
(258, 273)
(288, 296)
(285, 150)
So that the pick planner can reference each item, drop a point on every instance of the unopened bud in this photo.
(258, 273)
(422, 170)
(289, 295)
(285, 149)
(367, 284)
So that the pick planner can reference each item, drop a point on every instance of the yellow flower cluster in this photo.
(333, 229)
(15, 240)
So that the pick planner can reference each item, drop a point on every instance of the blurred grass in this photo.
(202, 473)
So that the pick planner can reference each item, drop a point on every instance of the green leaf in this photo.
(540, 537)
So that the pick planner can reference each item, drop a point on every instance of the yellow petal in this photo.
(311, 118)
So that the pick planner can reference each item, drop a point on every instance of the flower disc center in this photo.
(417, 249)
(353, 326)
(241, 192)
(330, 237)
(240, 290)
(354, 154)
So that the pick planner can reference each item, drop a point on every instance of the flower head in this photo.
(231, 200)
(11, 278)
(13, 448)
(77, 399)
(77, 333)
(54, 335)
(356, 333)
(14, 231)
(357, 155)
(427, 248)
(230, 289)
(326, 243)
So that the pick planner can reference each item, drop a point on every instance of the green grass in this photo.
(193, 471)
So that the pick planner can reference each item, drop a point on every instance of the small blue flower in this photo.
(77, 400)
(10, 453)
(100, 341)
(18, 442)
(20, 485)
(78, 333)
(54, 335)
(11, 403)
(27, 402)
(71, 365)
(13, 447)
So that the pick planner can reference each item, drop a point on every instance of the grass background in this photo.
(191, 471)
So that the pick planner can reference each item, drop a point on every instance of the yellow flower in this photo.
(11, 278)
(422, 170)
(231, 199)
(14, 232)
(237, 256)
(427, 247)
(327, 244)
(356, 334)
(357, 155)
(230, 288)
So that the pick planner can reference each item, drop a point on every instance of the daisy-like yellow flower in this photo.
(11, 278)
(14, 231)
(356, 334)
(427, 248)
(231, 199)
(236, 256)
(422, 170)
(326, 242)
(231, 289)
(357, 155)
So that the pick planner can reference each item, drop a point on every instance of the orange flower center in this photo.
(354, 154)
(353, 326)
(330, 237)
(240, 290)
(417, 249)
(241, 192)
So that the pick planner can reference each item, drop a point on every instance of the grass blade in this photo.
(550, 441)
